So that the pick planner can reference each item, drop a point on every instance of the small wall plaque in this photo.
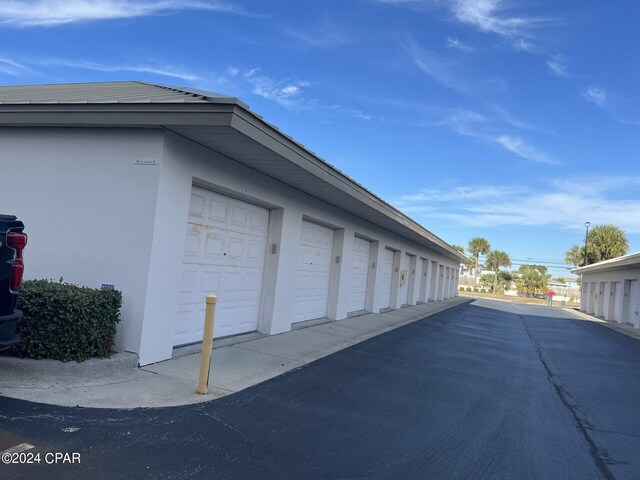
(145, 161)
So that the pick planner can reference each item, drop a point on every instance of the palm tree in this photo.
(478, 246)
(604, 243)
(575, 256)
(495, 260)
(607, 241)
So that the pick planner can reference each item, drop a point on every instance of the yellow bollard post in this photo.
(207, 344)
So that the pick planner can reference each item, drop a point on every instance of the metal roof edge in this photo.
(348, 181)
(211, 97)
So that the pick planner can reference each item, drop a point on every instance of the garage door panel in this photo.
(211, 281)
(232, 287)
(186, 326)
(235, 249)
(189, 290)
(192, 243)
(224, 254)
(259, 222)
(255, 253)
(214, 248)
(238, 216)
(252, 285)
(217, 212)
(197, 205)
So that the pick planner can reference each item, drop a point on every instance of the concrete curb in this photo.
(117, 364)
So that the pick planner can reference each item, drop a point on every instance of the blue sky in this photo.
(513, 120)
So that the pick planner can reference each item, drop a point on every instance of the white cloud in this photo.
(465, 122)
(290, 90)
(287, 93)
(325, 34)
(493, 127)
(595, 95)
(460, 194)
(11, 67)
(30, 13)
(488, 16)
(494, 16)
(558, 65)
(291, 94)
(442, 71)
(454, 42)
(154, 69)
(566, 203)
(521, 148)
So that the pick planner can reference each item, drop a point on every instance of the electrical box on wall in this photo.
(403, 277)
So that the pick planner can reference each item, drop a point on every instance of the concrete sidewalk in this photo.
(624, 328)
(237, 363)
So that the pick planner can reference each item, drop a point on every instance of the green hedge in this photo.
(66, 322)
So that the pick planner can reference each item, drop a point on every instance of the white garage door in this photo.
(224, 254)
(633, 313)
(418, 281)
(404, 289)
(433, 286)
(386, 275)
(314, 270)
(359, 274)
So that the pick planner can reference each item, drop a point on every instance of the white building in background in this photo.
(611, 289)
(170, 194)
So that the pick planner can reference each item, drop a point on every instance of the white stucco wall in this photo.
(601, 298)
(127, 225)
(184, 163)
(87, 208)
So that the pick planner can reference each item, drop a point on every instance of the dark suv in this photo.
(12, 243)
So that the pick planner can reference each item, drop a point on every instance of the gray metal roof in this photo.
(104, 92)
(219, 122)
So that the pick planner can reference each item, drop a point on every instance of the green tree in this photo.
(532, 282)
(478, 246)
(541, 268)
(603, 243)
(459, 248)
(495, 260)
(505, 279)
(486, 280)
(575, 256)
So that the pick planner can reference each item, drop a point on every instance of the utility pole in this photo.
(586, 239)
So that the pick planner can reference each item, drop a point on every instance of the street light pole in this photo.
(586, 237)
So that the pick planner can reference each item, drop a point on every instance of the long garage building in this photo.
(611, 289)
(170, 194)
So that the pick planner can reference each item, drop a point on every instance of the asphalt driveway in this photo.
(486, 390)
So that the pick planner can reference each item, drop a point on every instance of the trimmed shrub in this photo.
(66, 322)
